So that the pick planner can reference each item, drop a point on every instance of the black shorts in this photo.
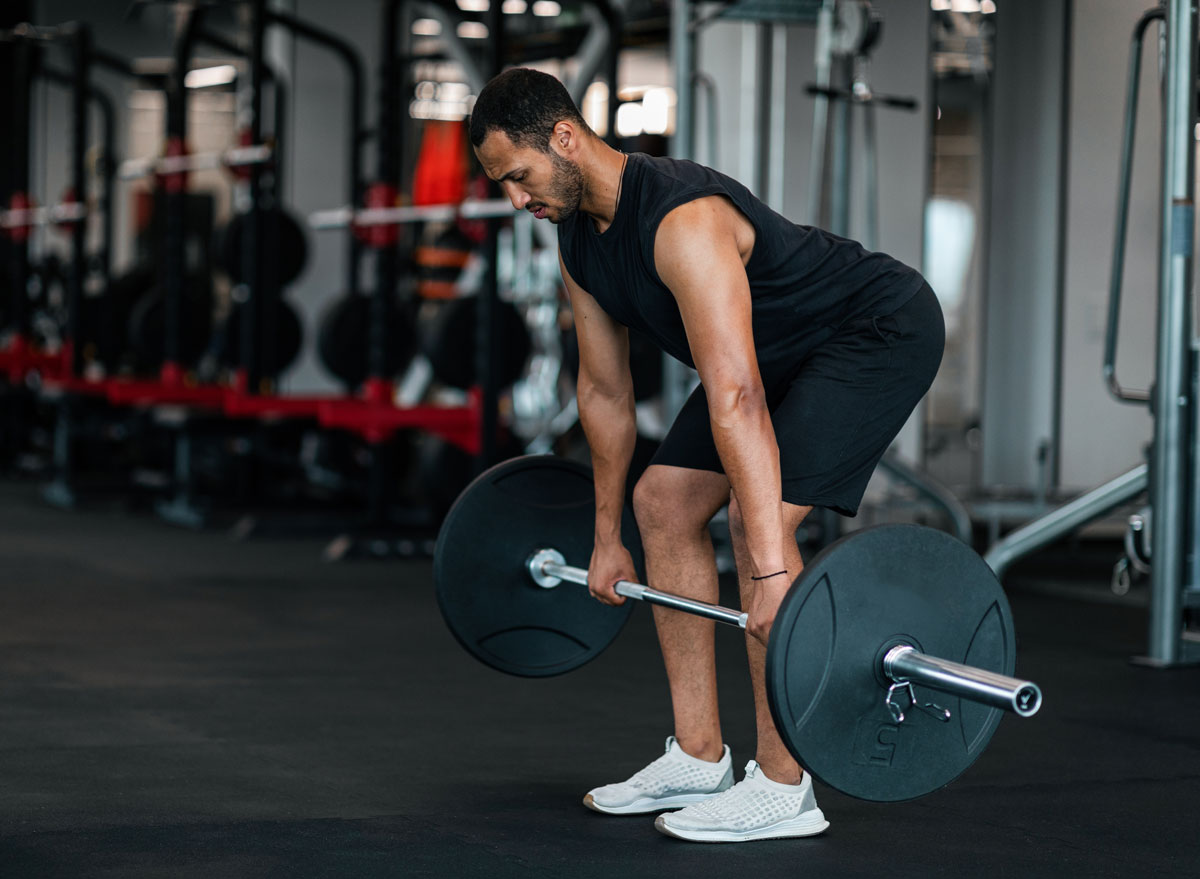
(838, 411)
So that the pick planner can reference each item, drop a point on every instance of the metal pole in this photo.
(902, 664)
(676, 376)
(1171, 391)
(80, 51)
(820, 137)
(1066, 519)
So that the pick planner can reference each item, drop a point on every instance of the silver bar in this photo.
(340, 218)
(1062, 521)
(132, 169)
(1171, 386)
(67, 212)
(540, 565)
(904, 663)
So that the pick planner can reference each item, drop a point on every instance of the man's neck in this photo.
(602, 184)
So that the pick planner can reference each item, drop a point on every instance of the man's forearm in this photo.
(610, 424)
(745, 441)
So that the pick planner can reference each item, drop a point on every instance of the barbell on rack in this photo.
(235, 157)
(472, 209)
(23, 215)
(873, 617)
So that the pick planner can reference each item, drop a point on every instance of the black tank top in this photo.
(804, 282)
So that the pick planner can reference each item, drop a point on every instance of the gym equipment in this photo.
(181, 163)
(511, 624)
(148, 321)
(856, 642)
(371, 217)
(341, 339)
(447, 332)
(22, 215)
(289, 338)
(291, 253)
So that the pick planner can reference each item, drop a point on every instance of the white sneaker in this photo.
(675, 779)
(754, 808)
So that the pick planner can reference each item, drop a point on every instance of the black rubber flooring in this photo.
(180, 705)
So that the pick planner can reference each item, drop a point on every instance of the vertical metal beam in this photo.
(676, 376)
(1172, 386)
(80, 51)
(777, 118)
(682, 64)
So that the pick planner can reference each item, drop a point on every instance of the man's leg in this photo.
(673, 506)
(773, 756)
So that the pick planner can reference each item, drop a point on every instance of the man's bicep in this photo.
(603, 342)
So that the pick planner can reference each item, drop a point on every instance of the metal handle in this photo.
(548, 568)
(901, 664)
(1122, 222)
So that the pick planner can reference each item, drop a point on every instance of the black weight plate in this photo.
(447, 332)
(289, 337)
(486, 595)
(290, 253)
(858, 597)
(343, 342)
(148, 321)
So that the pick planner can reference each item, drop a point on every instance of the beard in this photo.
(566, 186)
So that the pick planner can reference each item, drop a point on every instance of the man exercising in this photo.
(812, 352)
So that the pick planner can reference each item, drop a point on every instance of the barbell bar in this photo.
(235, 157)
(472, 209)
(48, 215)
(901, 664)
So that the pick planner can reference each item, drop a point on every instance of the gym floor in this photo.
(178, 704)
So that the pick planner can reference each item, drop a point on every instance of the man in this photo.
(811, 352)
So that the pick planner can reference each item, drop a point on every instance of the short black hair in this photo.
(526, 105)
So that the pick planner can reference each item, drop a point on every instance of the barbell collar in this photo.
(905, 664)
(545, 566)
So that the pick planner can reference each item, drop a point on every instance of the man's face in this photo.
(546, 184)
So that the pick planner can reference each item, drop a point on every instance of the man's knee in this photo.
(662, 503)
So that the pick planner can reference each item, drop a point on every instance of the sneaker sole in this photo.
(646, 805)
(809, 824)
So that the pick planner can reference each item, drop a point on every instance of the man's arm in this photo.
(606, 411)
(698, 254)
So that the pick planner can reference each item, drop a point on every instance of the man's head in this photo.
(527, 133)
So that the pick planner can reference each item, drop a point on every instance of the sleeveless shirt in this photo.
(804, 282)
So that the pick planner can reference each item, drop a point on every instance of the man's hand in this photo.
(768, 595)
(610, 563)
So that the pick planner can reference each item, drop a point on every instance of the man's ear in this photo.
(564, 140)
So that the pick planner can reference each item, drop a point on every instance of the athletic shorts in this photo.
(838, 411)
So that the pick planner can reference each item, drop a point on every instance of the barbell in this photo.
(166, 165)
(877, 619)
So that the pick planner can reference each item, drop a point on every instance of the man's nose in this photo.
(517, 196)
